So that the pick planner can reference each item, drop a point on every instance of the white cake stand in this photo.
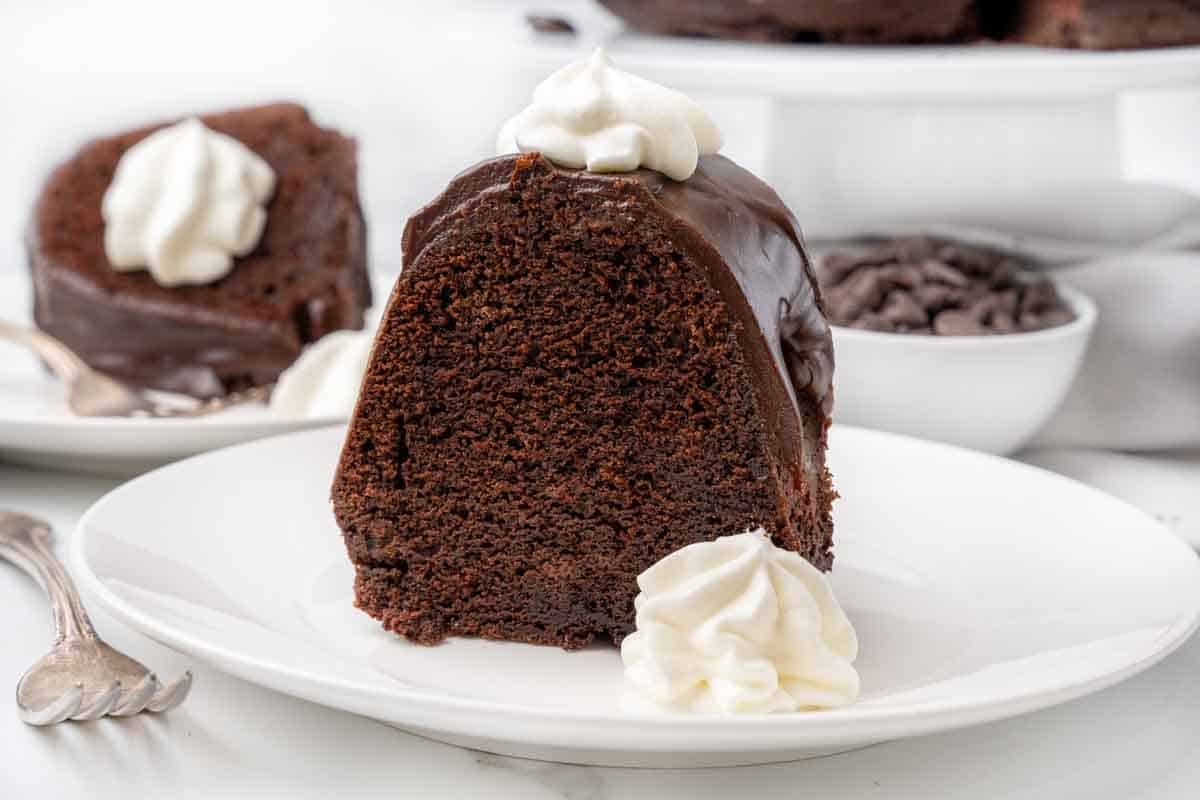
(1078, 145)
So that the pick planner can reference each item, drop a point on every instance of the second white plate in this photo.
(981, 588)
(37, 429)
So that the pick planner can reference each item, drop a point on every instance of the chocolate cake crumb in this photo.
(923, 285)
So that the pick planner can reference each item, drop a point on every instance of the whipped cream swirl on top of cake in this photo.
(183, 202)
(592, 115)
(738, 625)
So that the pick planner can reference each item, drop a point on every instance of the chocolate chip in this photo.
(1002, 322)
(835, 267)
(905, 276)
(942, 272)
(1007, 300)
(902, 310)
(935, 297)
(914, 249)
(846, 303)
(1029, 321)
(950, 254)
(866, 288)
(879, 255)
(957, 323)
(1053, 318)
(978, 308)
(874, 322)
(1057, 316)
(840, 308)
(1004, 274)
(1039, 296)
(977, 262)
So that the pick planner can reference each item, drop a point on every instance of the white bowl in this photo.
(989, 393)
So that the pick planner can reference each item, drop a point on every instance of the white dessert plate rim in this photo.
(412, 707)
(14, 286)
(37, 429)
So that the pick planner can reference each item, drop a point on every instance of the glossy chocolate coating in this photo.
(741, 234)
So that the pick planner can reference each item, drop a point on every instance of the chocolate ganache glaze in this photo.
(749, 244)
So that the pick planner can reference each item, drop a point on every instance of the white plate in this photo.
(981, 589)
(37, 429)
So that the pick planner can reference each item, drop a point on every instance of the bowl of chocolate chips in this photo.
(950, 342)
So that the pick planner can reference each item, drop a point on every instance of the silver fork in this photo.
(81, 677)
(94, 394)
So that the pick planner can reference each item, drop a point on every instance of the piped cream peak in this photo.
(183, 202)
(589, 114)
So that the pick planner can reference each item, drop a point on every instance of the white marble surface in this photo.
(232, 739)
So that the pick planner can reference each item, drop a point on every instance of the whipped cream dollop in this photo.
(590, 114)
(183, 202)
(738, 625)
(324, 382)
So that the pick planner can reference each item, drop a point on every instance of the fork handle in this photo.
(57, 355)
(25, 541)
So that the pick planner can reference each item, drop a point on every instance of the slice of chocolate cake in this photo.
(851, 21)
(307, 275)
(578, 374)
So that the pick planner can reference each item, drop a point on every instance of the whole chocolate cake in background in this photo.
(858, 21)
(305, 277)
(580, 373)
(1104, 24)
(1087, 24)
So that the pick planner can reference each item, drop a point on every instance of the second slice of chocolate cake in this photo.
(306, 277)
